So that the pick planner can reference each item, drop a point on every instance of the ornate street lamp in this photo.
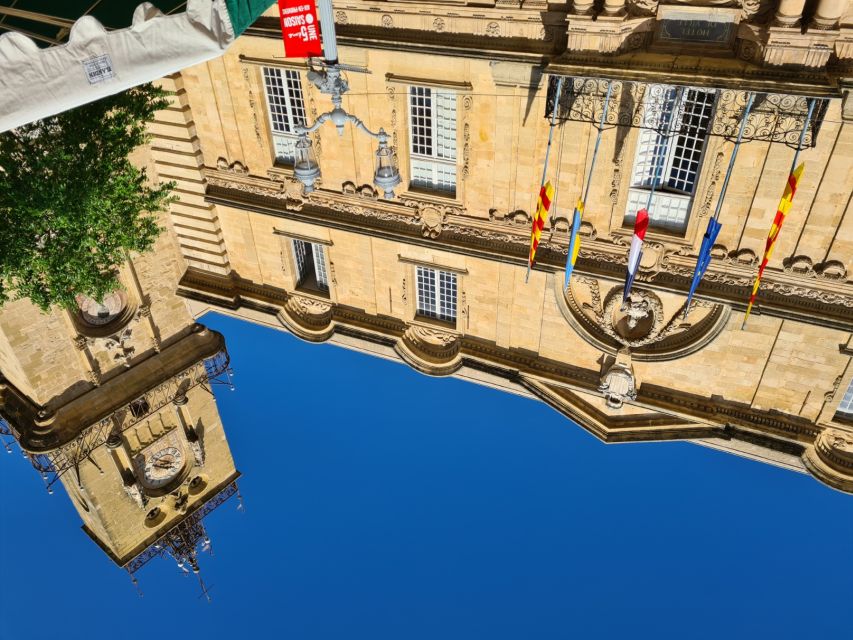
(328, 80)
(305, 166)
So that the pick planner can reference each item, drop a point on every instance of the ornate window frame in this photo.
(664, 152)
(253, 75)
(410, 266)
(122, 319)
(842, 395)
(398, 87)
(290, 107)
(291, 265)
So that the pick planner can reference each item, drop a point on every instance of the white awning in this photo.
(94, 63)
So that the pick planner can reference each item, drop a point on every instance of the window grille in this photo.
(432, 137)
(676, 121)
(436, 294)
(846, 404)
(286, 108)
(310, 265)
(139, 408)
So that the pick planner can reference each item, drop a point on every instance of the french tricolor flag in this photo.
(636, 253)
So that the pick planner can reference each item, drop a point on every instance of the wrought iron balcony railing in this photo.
(775, 117)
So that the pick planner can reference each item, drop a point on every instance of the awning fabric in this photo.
(94, 63)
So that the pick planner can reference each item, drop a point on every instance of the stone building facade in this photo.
(113, 402)
(436, 276)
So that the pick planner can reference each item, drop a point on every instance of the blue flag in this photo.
(574, 243)
(704, 259)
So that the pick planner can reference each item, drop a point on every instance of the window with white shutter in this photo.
(286, 108)
(846, 405)
(432, 138)
(310, 265)
(676, 121)
(436, 294)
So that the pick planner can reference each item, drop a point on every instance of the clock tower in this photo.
(114, 402)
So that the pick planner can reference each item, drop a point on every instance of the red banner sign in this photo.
(300, 29)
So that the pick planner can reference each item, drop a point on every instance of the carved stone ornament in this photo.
(618, 384)
(829, 395)
(309, 307)
(803, 266)
(430, 350)
(517, 218)
(309, 318)
(652, 328)
(119, 346)
(831, 459)
(431, 220)
(493, 30)
(198, 451)
(642, 7)
(252, 105)
(431, 217)
(234, 167)
(756, 10)
(134, 493)
(281, 191)
(387, 21)
(438, 24)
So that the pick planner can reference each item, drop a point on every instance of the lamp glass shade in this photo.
(305, 166)
(386, 176)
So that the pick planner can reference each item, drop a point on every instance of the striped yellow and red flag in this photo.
(781, 212)
(546, 195)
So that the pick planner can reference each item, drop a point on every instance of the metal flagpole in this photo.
(648, 208)
(714, 226)
(803, 134)
(574, 229)
(629, 282)
(790, 173)
(731, 166)
(597, 140)
(559, 165)
(547, 154)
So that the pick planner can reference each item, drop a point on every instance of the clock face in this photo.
(161, 467)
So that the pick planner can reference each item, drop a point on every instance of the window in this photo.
(286, 109)
(432, 137)
(669, 154)
(846, 404)
(436, 294)
(310, 266)
(139, 408)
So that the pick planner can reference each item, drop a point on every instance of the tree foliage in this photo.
(72, 204)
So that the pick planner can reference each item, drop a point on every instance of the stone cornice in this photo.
(671, 414)
(507, 45)
(809, 297)
(725, 73)
(41, 431)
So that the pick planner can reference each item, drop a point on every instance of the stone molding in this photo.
(656, 335)
(816, 296)
(41, 431)
(830, 459)
(436, 351)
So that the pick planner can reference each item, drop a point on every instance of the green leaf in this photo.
(71, 203)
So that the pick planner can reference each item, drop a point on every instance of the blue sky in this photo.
(383, 504)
